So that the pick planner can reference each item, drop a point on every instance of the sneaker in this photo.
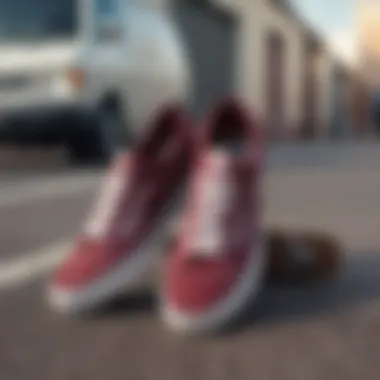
(216, 265)
(118, 242)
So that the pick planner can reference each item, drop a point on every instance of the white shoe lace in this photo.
(107, 204)
(214, 195)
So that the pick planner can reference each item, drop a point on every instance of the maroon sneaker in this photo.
(217, 263)
(118, 242)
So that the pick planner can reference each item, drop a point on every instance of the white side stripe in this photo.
(106, 207)
(214, 196)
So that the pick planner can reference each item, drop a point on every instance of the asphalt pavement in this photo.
(329, 331)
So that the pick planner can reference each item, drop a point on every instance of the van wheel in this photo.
(111, 132)
(100, 140)
(79, 145)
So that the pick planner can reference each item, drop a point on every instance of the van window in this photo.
(24, 20)
(108, 23)
(106, 8)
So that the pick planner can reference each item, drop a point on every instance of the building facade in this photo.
(264, 52)
(368, 32)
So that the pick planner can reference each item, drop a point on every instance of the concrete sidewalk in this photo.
(329, 332)
(26, 158)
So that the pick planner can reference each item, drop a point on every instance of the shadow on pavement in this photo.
(141, 301)
(357, 285)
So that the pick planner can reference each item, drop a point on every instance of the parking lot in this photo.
(330, 331)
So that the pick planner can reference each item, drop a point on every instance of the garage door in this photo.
(209, 34)
(339, 126)
(275, 84)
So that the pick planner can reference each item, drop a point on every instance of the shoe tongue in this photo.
(112, 193)
(212, 198)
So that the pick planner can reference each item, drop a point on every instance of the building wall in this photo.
(326, 92)
(209, 36)
(258, 19)
(250, 64)
(275, 20)
(319, 68)
(359, 106)
(368, 31)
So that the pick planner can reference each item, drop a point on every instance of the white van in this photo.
(87, 71)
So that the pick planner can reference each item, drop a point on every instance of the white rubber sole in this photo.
(126, 274)
(245, 291)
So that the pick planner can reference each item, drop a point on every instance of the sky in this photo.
(335, 19)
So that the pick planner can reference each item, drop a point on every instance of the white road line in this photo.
(17, 272)
(44, 190)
